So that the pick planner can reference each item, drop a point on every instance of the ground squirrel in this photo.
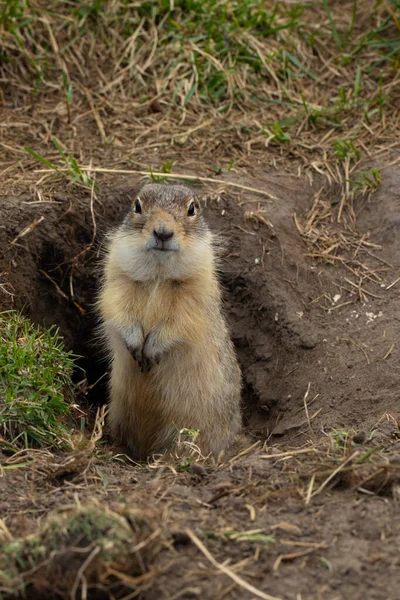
(173, 363)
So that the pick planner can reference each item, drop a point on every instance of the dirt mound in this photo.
(311, 296)
(317, 345)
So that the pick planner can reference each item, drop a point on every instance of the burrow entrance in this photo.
(56, 273)
(285, 343)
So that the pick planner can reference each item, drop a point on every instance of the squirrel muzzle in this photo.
(163, 236)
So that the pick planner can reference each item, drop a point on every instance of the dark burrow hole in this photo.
(80, 334)
(80, 331)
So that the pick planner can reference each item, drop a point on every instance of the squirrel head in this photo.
(164, 235)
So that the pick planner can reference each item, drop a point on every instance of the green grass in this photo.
(345, 149)
(293, 73)
(165, 168)
(12, 14)
(366, 180)
(344, 441)
(213, 40)
(35, 384)
(72, 171)
(212, 36)
(341, 439)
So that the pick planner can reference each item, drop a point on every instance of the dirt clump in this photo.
(103, 540)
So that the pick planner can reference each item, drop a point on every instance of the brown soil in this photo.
(310, 367)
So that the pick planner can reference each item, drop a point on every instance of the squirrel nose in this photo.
(163, 234)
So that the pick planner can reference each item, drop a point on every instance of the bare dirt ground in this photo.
(277, 112)
(308, 508)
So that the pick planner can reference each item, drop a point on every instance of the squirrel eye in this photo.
(138, 207)
(190, 211)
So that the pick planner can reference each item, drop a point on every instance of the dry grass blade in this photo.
(238, 580)
(331, 234)
(182, 176)
(393, 283)
(244, 452)
(4, 531)
(80, 577)
(306, 406)
(28, 229)
(294, 555)
(334, 473)
(289, 453)
(98, 427)
(389, 352)
(310, 489)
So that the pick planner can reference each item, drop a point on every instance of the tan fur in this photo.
(166, 307)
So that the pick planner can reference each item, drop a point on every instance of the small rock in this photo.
(198, 469)
(359, 438)
(308, 340)
(155, 106)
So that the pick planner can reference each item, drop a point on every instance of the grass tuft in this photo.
(35, 384)
(114, 80)
(105, 541)
(73, 171)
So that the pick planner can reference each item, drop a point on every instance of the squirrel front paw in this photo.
(146, 363)
(134, 339)
(136, 353)
(151, 353)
